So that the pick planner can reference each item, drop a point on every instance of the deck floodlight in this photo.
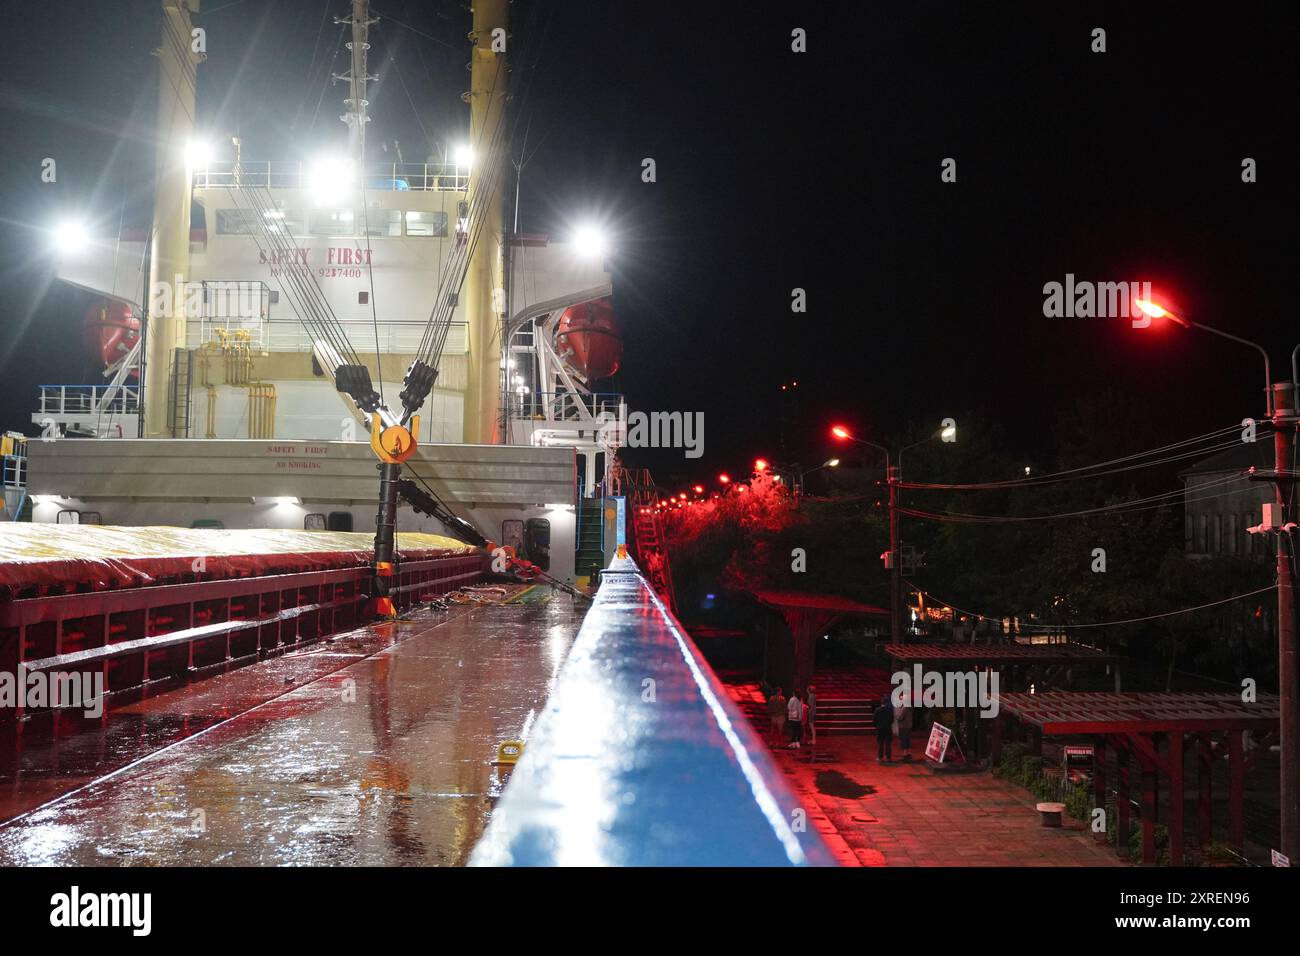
(328, 180)
(590, 242)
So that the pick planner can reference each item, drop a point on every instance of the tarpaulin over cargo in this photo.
(97, 557)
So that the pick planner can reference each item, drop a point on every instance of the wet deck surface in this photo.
(373, 749)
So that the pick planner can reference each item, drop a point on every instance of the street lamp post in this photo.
(893, 476)
(891, 556)
(1156, 311)
(1281, 407)
(828, 463)
(948, 432)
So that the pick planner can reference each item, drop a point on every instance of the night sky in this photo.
(776, 170)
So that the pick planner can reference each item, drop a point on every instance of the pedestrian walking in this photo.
(794, 718)
(810, 715)
(903, 721)
(883, 720)
(776, 716)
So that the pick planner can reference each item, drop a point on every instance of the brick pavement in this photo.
(907, 815)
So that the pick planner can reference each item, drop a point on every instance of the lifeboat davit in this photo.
(589, 340)
(109, 330)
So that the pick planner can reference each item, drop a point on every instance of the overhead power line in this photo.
(1131, 620)
(1126, 463)
(1120, 507)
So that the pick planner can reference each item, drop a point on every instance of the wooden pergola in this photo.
(808, 616)
(1039, 667)
(1149, 729)
(1018, 664)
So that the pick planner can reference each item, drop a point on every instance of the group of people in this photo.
(793, 719)
(889, 720)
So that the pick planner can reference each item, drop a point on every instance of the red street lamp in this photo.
(1283, 455)
(760, 464)
(1156, 311)
(724, 479)
(698, 489)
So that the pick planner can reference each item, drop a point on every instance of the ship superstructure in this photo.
(265, 286)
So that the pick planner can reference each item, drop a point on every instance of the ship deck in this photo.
(373, 747)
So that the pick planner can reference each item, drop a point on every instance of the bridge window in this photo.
(426, 223)
(285, 222)
(332, 222)
(383, 222)
(236, 222)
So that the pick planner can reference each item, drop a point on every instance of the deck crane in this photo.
(394, 433)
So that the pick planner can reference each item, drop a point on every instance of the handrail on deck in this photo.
(641, 759)
(250, 174)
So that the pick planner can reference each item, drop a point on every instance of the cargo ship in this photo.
(276, 315)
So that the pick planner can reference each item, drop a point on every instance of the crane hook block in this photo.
(395, 443)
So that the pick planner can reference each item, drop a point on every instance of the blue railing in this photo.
(640, 758)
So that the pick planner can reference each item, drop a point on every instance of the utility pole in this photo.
(1284, 425)
(896, 629)
(1281, 398)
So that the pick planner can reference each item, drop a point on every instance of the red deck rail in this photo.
(138, 635)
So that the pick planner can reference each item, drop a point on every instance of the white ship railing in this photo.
(565, 406)
(423, 177)
(287, 335)
(90, 399)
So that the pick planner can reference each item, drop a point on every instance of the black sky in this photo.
(776, 170)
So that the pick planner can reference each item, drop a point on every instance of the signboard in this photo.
(615, 517)
(620, 530)
(937, 745)
(1077, 761)
(1280, 860)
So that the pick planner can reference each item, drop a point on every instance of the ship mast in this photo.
(484, 280)
(169, 264)
(357, 78)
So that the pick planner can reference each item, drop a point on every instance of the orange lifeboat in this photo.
(109, 331)
(589, 340)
